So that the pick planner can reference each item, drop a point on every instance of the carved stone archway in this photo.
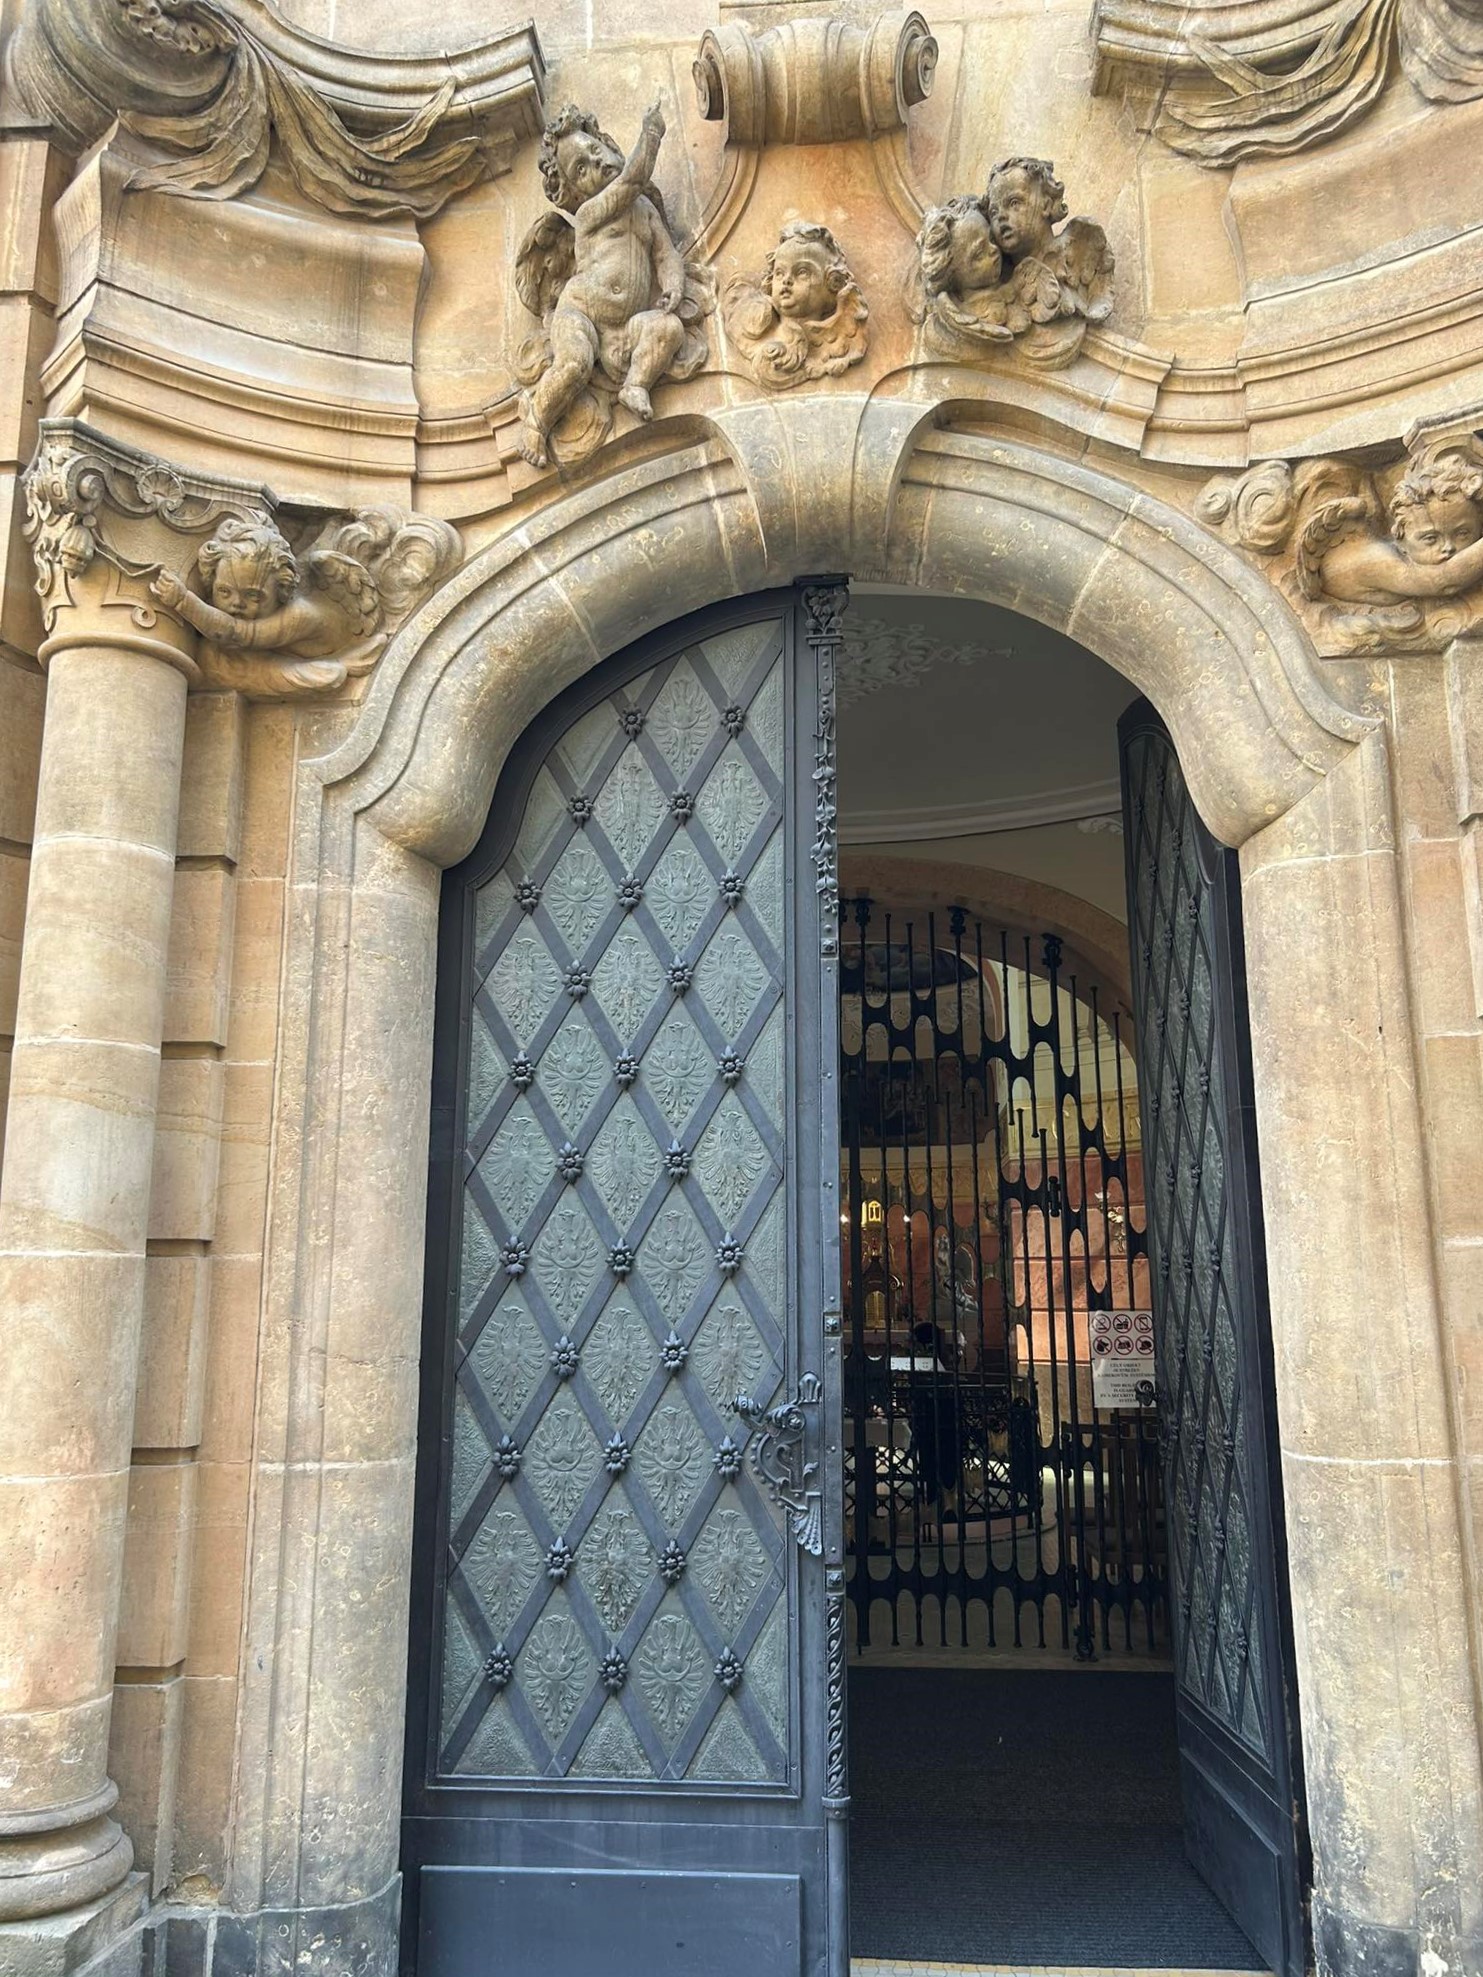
(1277, 767)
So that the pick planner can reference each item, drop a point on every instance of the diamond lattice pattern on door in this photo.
(616, 1598)
(1202, 1401)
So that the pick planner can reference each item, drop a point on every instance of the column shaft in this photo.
(74, 1208)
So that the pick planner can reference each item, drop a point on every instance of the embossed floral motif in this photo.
(617, 1455)
(507, 1458)
(576, 982)
(561, 1464)
(729, 1672)
(729, 1256)
(515, 1258)
(570, 1162)
(682, 806)
(677, 1069)
(554, 1672)
(522, 1072)
(731, 1064)
(676, 1161)
(673, 1353)
(728, 1461)
(621, 1259)
(681, 720)
(559, 1561)
(632, 722)
(527, 896)
(630, 894)
(732, 889)
(730, 1566)
(625, 1070)
(615, 1568)
(671, 1461)
(499, 1669)
(564, 1358)
(679, 976)
(580, 809)
(671, 1674)
(572, 1072)
(734, 720)
(672, 1564)
(613, 1671)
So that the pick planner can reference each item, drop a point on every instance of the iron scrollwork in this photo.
(779, 1458)
(824, 607)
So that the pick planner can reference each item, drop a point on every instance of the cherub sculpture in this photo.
(1365, 571)
(993, 272)
(804, 317)
(276, 625)
(620, 307)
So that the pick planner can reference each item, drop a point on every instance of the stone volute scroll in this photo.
(1383, 559)
(997, 275)
(815, 81)
(801, 317)
(213, 84)
(620, 308)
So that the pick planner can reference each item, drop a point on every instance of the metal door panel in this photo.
(621, 1629)
(1237, 1696)
(529, 1921)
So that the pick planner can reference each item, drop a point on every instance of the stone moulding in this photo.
(212, 86)
(815, 81)
(1385, 559)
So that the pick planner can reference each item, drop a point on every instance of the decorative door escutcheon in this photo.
(779, 1456)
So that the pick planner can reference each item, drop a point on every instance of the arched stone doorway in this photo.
(1276, 766)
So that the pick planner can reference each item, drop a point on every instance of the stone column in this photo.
(74, 1200)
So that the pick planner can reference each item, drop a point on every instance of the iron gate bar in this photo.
(946, 1428)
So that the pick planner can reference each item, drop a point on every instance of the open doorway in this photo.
(1071, 1740)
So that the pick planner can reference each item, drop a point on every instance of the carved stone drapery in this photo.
(815, 81)
(1386, 559)
(993, 276)
(1252, 78)
(214, 84)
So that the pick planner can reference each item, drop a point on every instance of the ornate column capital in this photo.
(107, 523)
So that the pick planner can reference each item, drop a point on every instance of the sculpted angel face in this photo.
(800, 286)
(1024, 199)
(249, 570)
(1431, 522)
(958, 249)
(587, 161)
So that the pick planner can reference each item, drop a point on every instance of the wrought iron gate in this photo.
(993, 1203)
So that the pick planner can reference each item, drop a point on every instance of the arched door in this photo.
(626, 1736)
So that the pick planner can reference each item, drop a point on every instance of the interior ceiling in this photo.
(958, 717)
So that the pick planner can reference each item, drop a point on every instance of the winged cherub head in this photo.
(577, 159)
(249, 569)
(1025, 199)
(1438, 510)
(957, 248)
(806, 272)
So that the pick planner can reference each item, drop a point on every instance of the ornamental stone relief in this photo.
(802, 317)
(619, 307)
(993, 274)
(1373, 560)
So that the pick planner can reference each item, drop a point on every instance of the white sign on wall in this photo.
(1122, 1358)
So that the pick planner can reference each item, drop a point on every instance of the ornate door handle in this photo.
(779, 1456)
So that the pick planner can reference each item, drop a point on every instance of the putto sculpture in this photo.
(803, 317)
(1372, 560)
(620, 307)
(276, 624)
(993, 274)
